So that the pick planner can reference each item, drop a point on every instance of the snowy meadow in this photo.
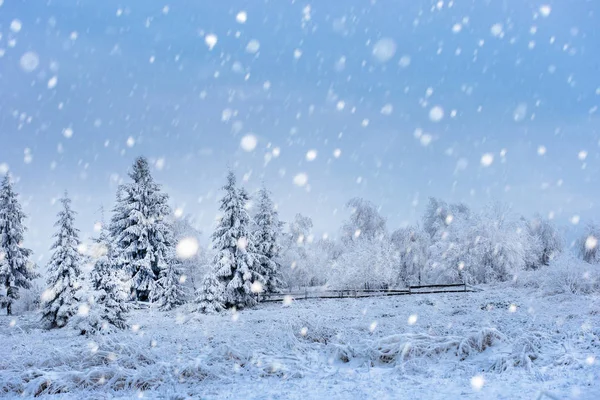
(299, 200)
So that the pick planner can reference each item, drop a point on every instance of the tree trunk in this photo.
(9, 309)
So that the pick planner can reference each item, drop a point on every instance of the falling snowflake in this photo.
(404, 61)
(210, 40)
(541, 150)
(68, 133)
(29, 61)
(311, 155)
(384, 49)
(300, 179)
(16, 25)
(387, 109)
(591, 243)
(436, 114)
(477, 382)
(241, 17)
(253, 46)
(487, 159)
(52, 82)
(249, 142)
(545, 10)
(497, 30)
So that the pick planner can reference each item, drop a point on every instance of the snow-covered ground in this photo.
(506, 342)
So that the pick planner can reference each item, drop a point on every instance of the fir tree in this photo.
(106, 302)
(16, 271)
(268, 230)
(140, 231)
(211, 295)
(169, 292)
(234, 261)
(64, 268)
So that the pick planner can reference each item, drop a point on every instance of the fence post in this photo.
(465, 286)
(305, 293)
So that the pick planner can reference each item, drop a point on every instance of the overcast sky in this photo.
(394, 101)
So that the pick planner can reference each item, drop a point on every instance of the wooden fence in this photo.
(362, 293)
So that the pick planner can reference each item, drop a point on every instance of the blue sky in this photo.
(517, 80)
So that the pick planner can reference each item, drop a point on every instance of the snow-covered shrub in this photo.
(193, 266)
(568, 274)
(400, 348)
(524, 351)
(169, 292)
(365, 222)
(587, 245)
(366, 264)
(210, 297)
(412, 245)
(478, 247)
(305, 262)
(546, 242)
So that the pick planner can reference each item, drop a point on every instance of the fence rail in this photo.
(363, 293)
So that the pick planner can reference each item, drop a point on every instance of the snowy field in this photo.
(506, 342)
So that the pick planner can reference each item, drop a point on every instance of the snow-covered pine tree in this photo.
(142, 236)
(107, 295)
(234, 262)
(64, 268)
(169, 291)
(211, 295)
(16, 271)
(266, 235)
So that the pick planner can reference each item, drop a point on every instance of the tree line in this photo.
(144, 254)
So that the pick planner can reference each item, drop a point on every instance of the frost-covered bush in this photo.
(477, 247)
(412, 245)
(364, 222)
(305, 262)
(546, 242)
(569, 274)
(587, 245)
(366, 264)
(400, 348)
(193, 266)
(210, 297)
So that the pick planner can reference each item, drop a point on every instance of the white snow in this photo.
(16, 25)
(29, 61)
(487, 159)
(210, 40)
(187, 248)
(461, 345)
(52, 82)
(300, 179)
(384, 49)
(248, 142)
(253, 46)
(545, 10)
(241, 17)
(68, 132)
(436, 114)
(497, 30)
